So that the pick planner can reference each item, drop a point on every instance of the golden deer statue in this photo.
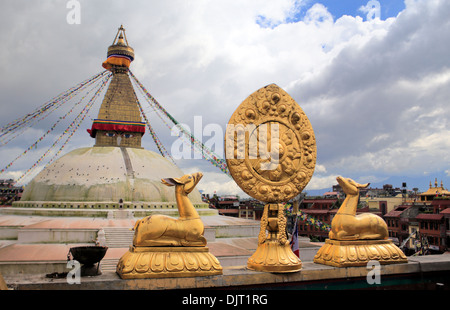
(167, 247)
(354, 240)
(346, 225)
(162, 230)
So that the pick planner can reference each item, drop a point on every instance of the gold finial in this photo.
(120, 54)
(121, 34)
(121, 41)
(435, 182)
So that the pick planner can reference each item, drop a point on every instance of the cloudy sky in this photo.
(373, 77)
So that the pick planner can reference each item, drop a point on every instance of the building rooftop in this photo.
(393, 213)
(446, 211)
(426, 216)
(315, 211)
(436, 190)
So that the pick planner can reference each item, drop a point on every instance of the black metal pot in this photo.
(88, 255)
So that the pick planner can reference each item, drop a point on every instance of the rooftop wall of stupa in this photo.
(98, 177)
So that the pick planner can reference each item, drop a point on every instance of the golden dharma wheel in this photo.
(270, 147)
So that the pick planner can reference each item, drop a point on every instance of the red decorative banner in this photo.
(112, 125)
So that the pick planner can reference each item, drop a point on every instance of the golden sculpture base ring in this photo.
(340, 253)
(271, 256)
(167, 262)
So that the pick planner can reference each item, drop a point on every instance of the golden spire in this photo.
(120, 54)
(119, 121)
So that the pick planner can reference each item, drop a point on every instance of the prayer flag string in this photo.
(72, 128)
(162, 150)
(48, 106)
(80, 117)
(306, 218)
(207, 154)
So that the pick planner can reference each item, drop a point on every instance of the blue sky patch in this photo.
(367, 9)
(338, 8)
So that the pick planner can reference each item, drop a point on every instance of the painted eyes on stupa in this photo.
(112, 134)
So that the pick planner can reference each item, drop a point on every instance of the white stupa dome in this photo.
(105, 175)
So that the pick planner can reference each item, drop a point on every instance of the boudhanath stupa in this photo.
(95, 194)
(117, 171)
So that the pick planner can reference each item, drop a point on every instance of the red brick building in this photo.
(446, 214)
(433, 227)
(319, 209)
(431, 218)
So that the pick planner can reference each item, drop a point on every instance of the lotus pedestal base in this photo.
(167, 262)
(271, 256)
(358, 253)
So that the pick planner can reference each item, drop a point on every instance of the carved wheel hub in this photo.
(270, 146)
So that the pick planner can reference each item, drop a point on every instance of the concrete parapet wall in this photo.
(100, 212)
(52, 235)
(9, 232)
(101, 205)
(25, 269)
(236, 231)
(418, 270)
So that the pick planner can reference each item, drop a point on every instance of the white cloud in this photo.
(321, 182)
(425, 153)
(272, 14)
(376, 92)
(320, 169)
(214, 182)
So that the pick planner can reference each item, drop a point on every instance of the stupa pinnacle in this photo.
(120, 54)
(119, 120)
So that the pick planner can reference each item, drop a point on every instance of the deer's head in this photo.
(186, 183)
(349, 186)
